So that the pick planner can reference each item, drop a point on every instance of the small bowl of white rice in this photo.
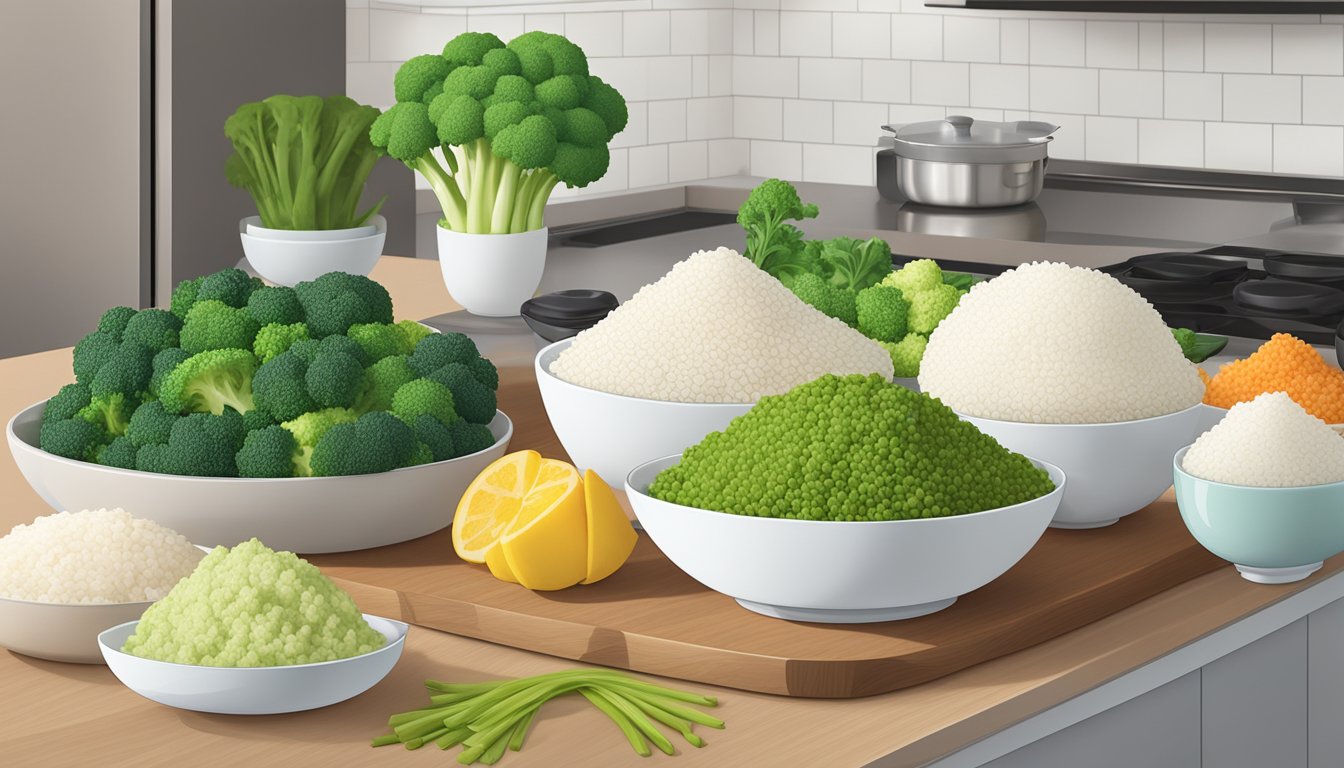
(66, 577)
(685, 356)
(1264, 489)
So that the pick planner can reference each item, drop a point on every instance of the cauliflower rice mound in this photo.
(93, 557)
(1047, 343)
(1268, 442)
(716, 329)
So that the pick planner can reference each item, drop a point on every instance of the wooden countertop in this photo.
(74, 715)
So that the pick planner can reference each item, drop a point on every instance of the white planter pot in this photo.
(492, 275)
(296, 256)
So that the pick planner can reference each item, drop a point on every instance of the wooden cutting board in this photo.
(651, 617)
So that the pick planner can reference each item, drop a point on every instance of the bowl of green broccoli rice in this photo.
(846, 500)
(302, 415)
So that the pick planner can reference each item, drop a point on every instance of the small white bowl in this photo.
(309, 515)
(492, 275)
(294, 260)
(1114, 469)
(841, 572)
(61, 631)
(253, 690)
(613, 434)
(255, 229)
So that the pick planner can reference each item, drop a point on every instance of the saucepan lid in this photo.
(959, 138)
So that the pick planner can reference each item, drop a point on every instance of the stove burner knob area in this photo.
(1288, 297)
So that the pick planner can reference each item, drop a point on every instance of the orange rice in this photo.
(1282, 364)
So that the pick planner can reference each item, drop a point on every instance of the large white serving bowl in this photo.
(253, 690)
(290, 261)
(613, 434)
(1114, 469)
(301, 514)
(841, 572)
(61, 631)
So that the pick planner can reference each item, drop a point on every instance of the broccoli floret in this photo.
(381, 382)
(275, 304)
(269, 452)
(202, 445)
(439, 349)
(485, 372)
(72, 438)
(150, 424)
(152, 458)
(90, 354)
(113, 322)
(423, 396)
(163, 364)
(831, 301)
(280, 388)
(469, 438)
(258, 419)
(883, 313)
(1186, 338)
(345, 345)
(127, 372)
(119, 453)
(274, 338)
(411, 334)
(231, 286)
(854, 264)
(155, 329)
(184, 297)
(906, 354)
(109, 413)
(915, 276)
(435, 435)
(212, 324)
(310, 427)
(337, 300)
(377, 442)
(334, 379)
(928, 308)
(378, 340)
(305, 349)
(210, 382)
(772, 244)
(474, 401)
(66, 403)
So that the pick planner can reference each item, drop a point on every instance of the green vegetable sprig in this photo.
(489, 718)
(1198, 347)
(304, 160)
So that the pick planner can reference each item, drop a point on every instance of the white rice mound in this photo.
(93, 557)
(1047, 343)
(716, 329)
(1268, 442)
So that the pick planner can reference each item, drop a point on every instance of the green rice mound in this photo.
(251, 606)
(850, 448)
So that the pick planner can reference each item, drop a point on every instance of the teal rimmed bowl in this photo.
(1272, 535)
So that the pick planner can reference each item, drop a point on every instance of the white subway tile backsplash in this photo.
(709, 118)
(886, 80)
(720, 23)
(765, 76)
(979, 113)
(1262, 98)
(371, 82)
(1171, 142)
(636, 132)
(1313, 150)
(729, 157)
(804, 33)
(1237, 48)
(667, 121)
(757, 118)
(858, 123)
(940, 82)
(721, 75)
(1068, 142)
(916, 37)
(1323, 100)
(831, 164)
(1112, 139)
(1113, 44)
(357, 34)
(504, 26)
(767, 33)
(1131, 94)
(1060, 43)
(1239, 146)
(1003, 86)
(861, 35)
(1150, 45)
(617, 177)
(744, 33)
(648, 165)
(545, 22)
(1193, 96)
(1309, 49)
(688, 161)
(1014, 43)
(830, 79)
(670, 77)
(810, 121)
(628, 75)
(904, 114)
(646, 34)
(689, 32)
(1182, 47)
(1059, 89)
(399, 35)
(970, 38)
(598, 34)
(775, 159)
(699, 76)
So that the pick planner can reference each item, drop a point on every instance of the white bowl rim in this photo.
(965, 415)
(377, 221)
(401, 627)
(1050, 469)
(9, 431)
(4, 599)
(1176, 464)
(314, 243)
(542, 369)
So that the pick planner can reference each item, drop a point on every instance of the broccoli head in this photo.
(120, 453)
(773, 244)
(202, 445)
(422, 396)
(305, 349)
(469, 438)
(435, 435)
(269, 452)
(280, 389)
(855, 264)
(376, 442)
(309, 428)
(439, 349)
(231, 286)
(184, 297)
(883, 313)
(210, 382)
(906, 354)
(337, 300)
(154, 329)
(127, 372)
(275, 304)
(928, 308)
(66, 403)
(258, 419)
(334, 379)
(821, 295)
(113, 322)
(381, 382)
(109, 413)
(378, 340)
(474, 401)
(90, 354)
(485, 372)
(915, 276)
(212, 324)
(72, 438)
(150, 424)
(344, 344)
(163, 364)
(273, 338)
(411, 334)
